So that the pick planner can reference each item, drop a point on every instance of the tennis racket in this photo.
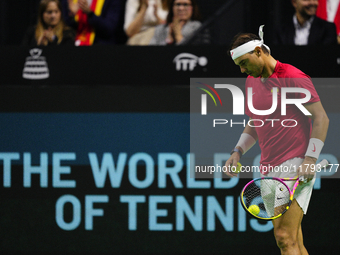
(268, 198)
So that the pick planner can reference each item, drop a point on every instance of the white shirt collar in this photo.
(306, 25)
(302, 32)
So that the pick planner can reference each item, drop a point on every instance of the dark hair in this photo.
(243, 38)
(195, 11)
(41, 26)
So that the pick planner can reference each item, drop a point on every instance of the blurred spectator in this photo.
(305, 28)
(181, 23)
(50, 28)
(96, 21)
(330, 10)
(141, 18)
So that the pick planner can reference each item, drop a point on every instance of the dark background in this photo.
(225, 18)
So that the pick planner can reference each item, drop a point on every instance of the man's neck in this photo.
(269, 67)
(302, 19)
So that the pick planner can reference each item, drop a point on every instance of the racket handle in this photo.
(302, 179)
(322, 163)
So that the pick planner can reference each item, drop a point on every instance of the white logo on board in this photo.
(188, 61)
(35, 66)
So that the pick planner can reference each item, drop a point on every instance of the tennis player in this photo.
(289, 143)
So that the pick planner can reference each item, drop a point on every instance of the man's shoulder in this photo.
(193, 24)
(322, 32)
(284, 70)
(322, 22)
(284, 33)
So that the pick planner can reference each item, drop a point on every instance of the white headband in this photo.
(249, 46)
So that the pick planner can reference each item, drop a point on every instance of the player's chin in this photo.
(254, 75)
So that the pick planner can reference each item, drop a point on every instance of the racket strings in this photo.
(269, 196)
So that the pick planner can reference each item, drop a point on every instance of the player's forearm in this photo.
(251, 131)
(320, 127)
(318, 137)
(247, 140)
(320, 120)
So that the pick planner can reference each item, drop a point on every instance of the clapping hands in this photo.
(175, 31)
(74, 6)
(47, 37)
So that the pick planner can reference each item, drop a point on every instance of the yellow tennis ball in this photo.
(254, 209)
(238, 168)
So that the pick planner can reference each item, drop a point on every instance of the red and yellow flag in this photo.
(85, 32)
(321, 12)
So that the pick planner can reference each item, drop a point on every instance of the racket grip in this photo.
(302, 179)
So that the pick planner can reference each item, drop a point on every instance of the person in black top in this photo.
(305, 28)
(50, 28)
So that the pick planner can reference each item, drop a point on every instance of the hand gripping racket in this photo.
(268, 198)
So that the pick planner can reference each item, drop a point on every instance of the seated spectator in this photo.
(96, 21)
(305, 28)
(181, 23)
(50, 28)
(330, 10)
(141, 18)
